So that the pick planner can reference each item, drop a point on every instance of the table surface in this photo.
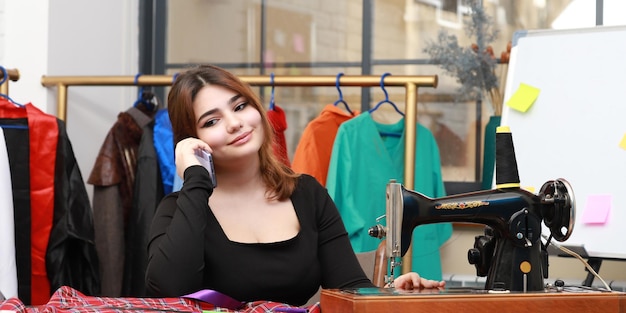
(346, 301)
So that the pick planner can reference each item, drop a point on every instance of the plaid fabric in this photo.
(67, 299)
(275, 307)
(13, 305)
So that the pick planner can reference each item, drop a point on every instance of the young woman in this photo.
(265, 232)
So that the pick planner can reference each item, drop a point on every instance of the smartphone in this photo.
(206, 160)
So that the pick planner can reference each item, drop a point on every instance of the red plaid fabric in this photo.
(13, 305)
(67, 299)
(271, 307)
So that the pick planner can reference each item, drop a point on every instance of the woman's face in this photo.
(228, 123)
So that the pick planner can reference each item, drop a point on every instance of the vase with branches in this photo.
(474, 67)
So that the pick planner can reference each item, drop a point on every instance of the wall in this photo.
(72, 37)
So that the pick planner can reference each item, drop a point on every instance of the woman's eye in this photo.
(241, 106)
(210, 123)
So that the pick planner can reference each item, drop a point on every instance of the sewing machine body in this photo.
(510, 252)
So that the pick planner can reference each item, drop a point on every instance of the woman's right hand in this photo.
(185, 153)
(412, 280)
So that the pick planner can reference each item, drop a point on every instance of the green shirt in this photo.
(362, 163)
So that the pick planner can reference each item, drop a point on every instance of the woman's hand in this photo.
(186, 153)
(410, 281)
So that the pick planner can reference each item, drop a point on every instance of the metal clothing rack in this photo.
(14, 75)
(410, 83)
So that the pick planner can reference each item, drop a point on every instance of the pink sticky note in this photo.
(268, 59)
(298, 43)
(597, 209)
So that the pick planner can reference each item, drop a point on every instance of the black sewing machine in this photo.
(510, 253)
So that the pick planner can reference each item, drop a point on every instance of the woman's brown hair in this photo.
(279, 178)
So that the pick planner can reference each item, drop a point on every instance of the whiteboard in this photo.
(575, 126)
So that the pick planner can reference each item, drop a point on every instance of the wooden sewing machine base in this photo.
(346, 301)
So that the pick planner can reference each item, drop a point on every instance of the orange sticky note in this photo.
(622, 144)
(597, 209)
(523, 98)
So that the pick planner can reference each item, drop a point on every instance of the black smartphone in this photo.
(206, 160)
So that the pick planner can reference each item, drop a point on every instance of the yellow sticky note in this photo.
(622, 144)
(523, 98)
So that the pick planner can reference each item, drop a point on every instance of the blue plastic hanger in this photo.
(272, 104)
(5, 77)
(144, 97)
(340, 100)
(386, 100)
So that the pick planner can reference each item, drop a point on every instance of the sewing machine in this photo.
(510, 253)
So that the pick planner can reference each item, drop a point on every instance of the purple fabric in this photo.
(216, 298)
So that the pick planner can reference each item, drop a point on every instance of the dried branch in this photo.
(473, 67)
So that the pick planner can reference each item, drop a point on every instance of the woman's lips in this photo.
(243, 138)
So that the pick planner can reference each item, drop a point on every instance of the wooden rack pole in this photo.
(14, 75)
(62, 82)
(259, 80)
(410, 83)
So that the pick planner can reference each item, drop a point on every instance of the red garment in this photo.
(43, 137)
(312, 154)
(67, 299)
(278, 120)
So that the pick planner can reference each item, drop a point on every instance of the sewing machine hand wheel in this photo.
(559, 208)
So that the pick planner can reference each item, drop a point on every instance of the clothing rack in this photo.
(14, 75)
(410, 83)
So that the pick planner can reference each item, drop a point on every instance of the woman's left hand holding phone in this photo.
(185, 154)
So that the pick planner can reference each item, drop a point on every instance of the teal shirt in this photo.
(361, 165)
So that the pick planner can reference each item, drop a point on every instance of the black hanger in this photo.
(340, 100)
(272, 104)
(5, 77)
(386, 100)
(145, 97)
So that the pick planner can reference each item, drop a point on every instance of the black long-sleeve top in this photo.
(188, 251)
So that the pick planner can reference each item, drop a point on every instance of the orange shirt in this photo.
(312, 154)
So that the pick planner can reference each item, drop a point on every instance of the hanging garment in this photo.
(16, 134)
(71, 257)
(147, 195)
(8, 268)
(163, 143)
(113, 178)
(53, 221)
(489, 152)
(178, 183)
(361, 165)
(278, 120)
(312, 154)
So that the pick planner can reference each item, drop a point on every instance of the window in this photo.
(326, 37)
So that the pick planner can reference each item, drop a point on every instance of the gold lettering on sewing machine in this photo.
(460, 205)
